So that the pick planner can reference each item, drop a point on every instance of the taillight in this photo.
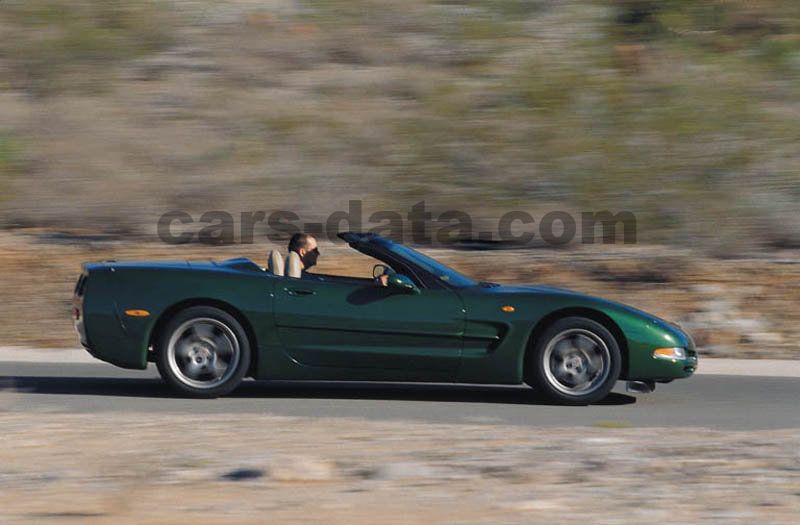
(76, 313)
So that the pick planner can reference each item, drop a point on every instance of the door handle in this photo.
(299, 291)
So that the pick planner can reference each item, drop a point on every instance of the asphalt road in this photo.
(717, 402)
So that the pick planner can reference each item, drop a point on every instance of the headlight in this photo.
(670, 354)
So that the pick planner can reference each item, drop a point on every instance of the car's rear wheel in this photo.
(575, 361)
(203, 352)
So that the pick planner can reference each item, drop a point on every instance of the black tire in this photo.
(195, 345)
(563, 363)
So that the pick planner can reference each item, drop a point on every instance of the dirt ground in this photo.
(171, 469)
(733, 307)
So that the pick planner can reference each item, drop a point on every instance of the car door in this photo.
(355, 324)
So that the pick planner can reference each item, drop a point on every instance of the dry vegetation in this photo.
(684, 112)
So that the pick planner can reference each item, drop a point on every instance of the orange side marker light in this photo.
(137, 313)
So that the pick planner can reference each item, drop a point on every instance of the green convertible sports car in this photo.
(208, 325)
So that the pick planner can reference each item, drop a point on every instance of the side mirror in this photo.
(381, 269)
(403, 283)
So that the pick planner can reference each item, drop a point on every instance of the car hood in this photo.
(582, 298)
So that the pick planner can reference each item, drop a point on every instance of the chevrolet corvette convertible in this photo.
(209, 325)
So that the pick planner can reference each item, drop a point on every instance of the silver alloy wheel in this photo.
(576, 362)
(203, 353)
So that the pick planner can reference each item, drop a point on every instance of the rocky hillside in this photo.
(683, 112)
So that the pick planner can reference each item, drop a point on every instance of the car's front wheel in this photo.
(575, 361)
(203, 352)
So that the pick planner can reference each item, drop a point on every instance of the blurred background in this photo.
(685, 113)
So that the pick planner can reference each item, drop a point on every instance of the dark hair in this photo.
(298, 240)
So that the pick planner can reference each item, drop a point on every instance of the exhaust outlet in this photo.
(640, 387)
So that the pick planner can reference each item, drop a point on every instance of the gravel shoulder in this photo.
(173, 469)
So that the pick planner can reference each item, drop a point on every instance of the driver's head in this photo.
(306, 247)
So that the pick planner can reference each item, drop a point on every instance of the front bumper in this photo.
(643, 366)
(676, 368)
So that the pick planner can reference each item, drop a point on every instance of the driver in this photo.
(305, 245)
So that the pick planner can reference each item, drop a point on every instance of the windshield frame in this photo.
(443, 273)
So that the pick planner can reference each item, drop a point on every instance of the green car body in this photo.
(332, 328)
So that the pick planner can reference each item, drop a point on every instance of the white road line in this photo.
(45, 355)
(750, 367)
(708, 366)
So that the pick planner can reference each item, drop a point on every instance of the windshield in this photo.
(433, 266)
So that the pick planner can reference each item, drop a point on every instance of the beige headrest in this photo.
(294, 268)
(275, 263)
